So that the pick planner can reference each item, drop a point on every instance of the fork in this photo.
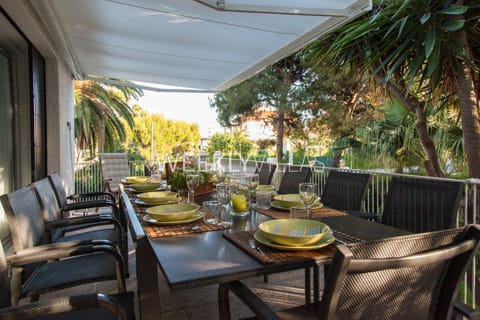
(254, 246)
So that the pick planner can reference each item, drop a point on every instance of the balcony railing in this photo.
(88, 179)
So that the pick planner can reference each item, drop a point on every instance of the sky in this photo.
(189, 107)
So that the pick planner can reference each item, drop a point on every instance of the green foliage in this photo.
(238, 143)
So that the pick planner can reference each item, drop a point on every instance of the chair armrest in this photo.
(462, 311)
(247, 296)
(60, 305)
(88, 204)
(99, 219)
(56, 251)
(80, 196)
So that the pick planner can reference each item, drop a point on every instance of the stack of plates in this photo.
(294, 234)
(145, 186)
(137, 179)
(286, 201)
(173, 213)
(157, 197)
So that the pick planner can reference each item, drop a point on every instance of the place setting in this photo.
(280, 240)
(180, 219)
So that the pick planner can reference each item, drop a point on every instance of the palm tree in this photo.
(101, 113)
(418, 50)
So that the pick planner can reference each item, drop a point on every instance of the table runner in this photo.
(316, 213)
(273, 255)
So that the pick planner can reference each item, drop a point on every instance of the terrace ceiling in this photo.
(184, 43)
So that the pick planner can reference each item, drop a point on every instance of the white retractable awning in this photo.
(186, 43)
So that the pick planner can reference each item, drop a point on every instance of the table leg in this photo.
(147, 279)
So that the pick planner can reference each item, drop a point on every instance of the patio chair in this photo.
(95, 226)
(293, 176)
(265, 173)
(345, 190)
(38, 266)
(419, 279)
(113, 167)
(86, 306)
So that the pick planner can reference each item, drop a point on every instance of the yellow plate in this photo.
(140, 202)
(145, 187)
(137, 179)
(275, 204)
(289, 200)
(173, 212)
(325, 241)
(198, 215)
(158, 197)
(294, 232)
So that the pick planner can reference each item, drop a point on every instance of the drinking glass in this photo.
(308, 196)
(252, 186)
(223, 193)
(193, 181)
(299, 213)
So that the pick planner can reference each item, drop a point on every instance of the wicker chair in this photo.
(345, 190)
(409, 277)
(265, 173)
(87, 306)
(293, 176)
(38, 266)
(114, 167)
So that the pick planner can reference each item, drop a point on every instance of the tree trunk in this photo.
(468, 101)
(280, 131)
(101, 137)
(431, 163)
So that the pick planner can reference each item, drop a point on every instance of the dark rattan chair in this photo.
(95, 226)
(345, 190)
(409, 277)
(420, 205)
(87, 306)
(38, 267)
(292, 177)
(265, 173)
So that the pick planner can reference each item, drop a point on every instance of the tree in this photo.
(279, 86)
(101, 112)
(419, 51)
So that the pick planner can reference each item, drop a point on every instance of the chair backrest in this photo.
(293, 176)
(265, 173)
(59, 189)
(409, 277)
(49, 204)
(345, 190)
(25, 218)
(420, 205)
(113, 167)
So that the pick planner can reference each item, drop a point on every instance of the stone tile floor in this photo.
(282, 290)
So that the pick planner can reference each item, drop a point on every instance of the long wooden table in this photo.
(205, 258)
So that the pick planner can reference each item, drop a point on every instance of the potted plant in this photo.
(178, 182)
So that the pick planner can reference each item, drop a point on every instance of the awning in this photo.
(185, 43)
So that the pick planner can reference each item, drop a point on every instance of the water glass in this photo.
(263, 199)
(299, 213)
(307, 194)
(223, 194)
(213, 206)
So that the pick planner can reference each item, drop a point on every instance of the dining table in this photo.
(217, 249)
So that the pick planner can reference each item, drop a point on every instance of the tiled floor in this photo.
(282, 290)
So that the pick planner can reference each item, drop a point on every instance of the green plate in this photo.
(173, 212)
(137, 179)
(144, 187)
(325, 241)
(198, 215)
(140, 202)
(294, 232)
(275, 204)
(158, 197)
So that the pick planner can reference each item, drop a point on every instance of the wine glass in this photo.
(252, 185)
(193, 181)
(308, 196)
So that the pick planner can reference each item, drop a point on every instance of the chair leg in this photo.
(265, 278)
(223, 303)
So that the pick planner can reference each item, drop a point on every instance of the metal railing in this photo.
(88, 179)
